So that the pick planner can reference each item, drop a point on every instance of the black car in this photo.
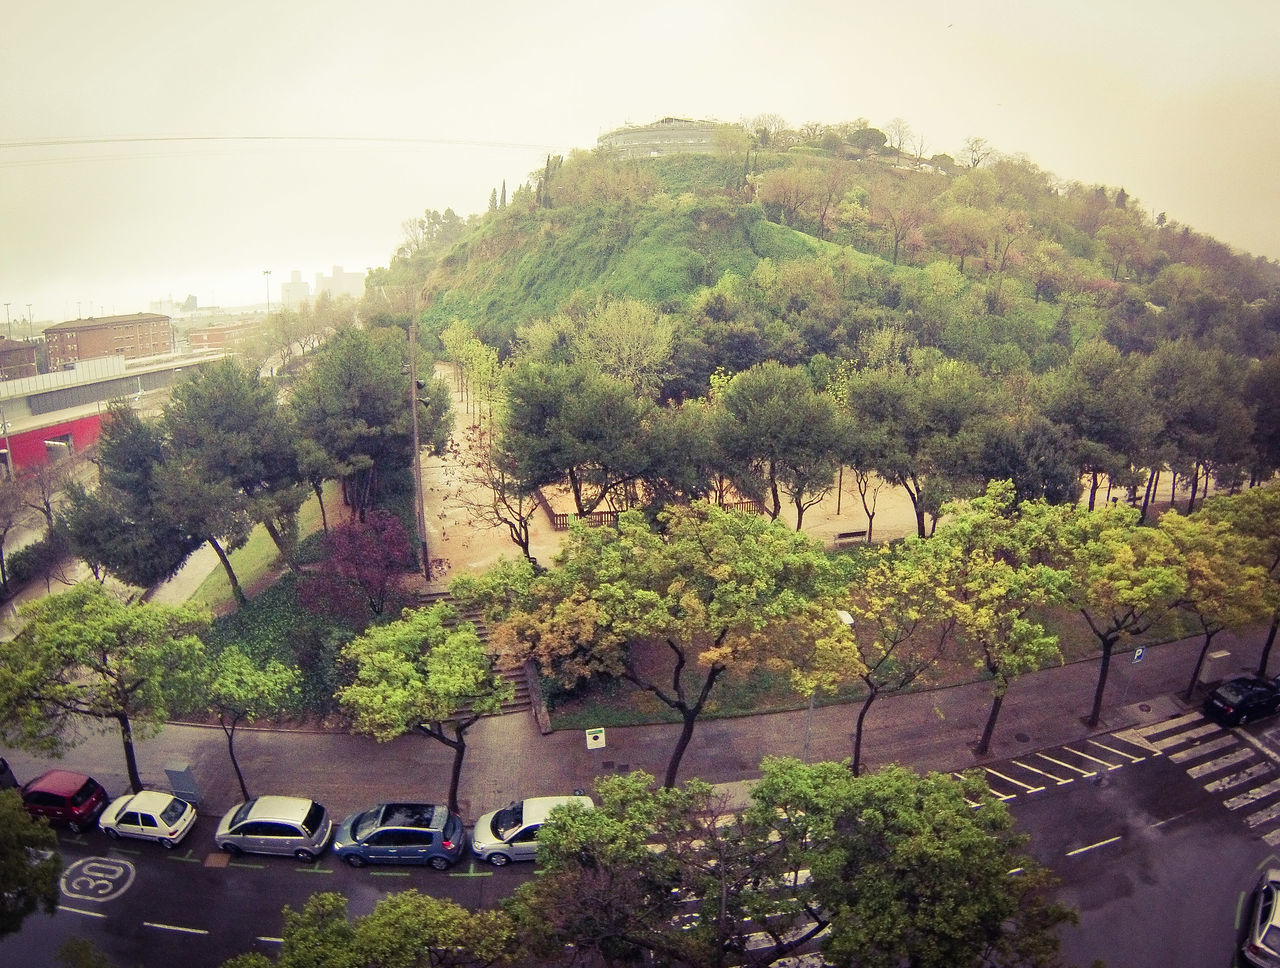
(1242, 699)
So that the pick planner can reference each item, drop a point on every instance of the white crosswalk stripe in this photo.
(1215, 756)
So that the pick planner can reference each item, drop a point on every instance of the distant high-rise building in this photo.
(340, 283)
(294, 292)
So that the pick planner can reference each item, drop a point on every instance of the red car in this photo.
(65, 797)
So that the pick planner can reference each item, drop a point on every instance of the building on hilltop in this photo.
(670, 136)
(130, 337)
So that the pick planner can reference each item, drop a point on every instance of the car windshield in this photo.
(1271, 937)
(83, 794)
(1231, 693)
(508, 820)
(174, 811)
(242, 813)
(313, 820)
(365, 823)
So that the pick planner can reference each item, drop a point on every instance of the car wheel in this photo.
(167, 844)
(304, 856)
(499, 860)
(440, 863)
(112, 833)
(354, 860)
(232, 849)
(75, 826)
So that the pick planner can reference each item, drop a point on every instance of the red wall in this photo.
(27, 447)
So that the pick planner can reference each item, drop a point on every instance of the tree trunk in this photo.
(459, 746)
(236, 590)
(1266, 646)
(1153, 480)
(231, 750)
(1195, 672)
(286, 555)
(997, 700)
(856, 765)
(1108, 645)
(690, 716)
(130, 756)
(324, 518)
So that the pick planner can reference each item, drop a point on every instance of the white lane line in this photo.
(1100, 843)
(1026, 786)
(1263, 816)
(1186, 737)
(1167, 724)
(173, 927)
(88, 914)
(1221, 763)
(1056, 779)
(1235, 779)
(1067, 766)
(1111, 749)
(1252, 796)
(1204, 749)
(270, 940)
(1085, 756)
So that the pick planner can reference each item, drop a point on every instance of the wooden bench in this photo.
(847, 537)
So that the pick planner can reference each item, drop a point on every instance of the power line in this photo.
(277, 138)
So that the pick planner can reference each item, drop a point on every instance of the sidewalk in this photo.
(508, 758)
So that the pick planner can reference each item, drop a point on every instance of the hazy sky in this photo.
(433, 105)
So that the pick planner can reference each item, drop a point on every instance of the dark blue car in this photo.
(1243, 699)
(401, 833)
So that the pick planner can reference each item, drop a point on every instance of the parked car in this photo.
(401, 833)
(1242, 699)
(149, 815)
(275, 825)
(1262, 946)
(511, 833)
(62, 796)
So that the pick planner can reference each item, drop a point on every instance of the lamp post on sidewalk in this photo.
(418, 507)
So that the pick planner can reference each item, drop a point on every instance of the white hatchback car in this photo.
(512, 832)
(149, 815)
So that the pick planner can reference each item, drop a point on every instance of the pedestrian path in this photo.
(1064, 764)
(1228, 763)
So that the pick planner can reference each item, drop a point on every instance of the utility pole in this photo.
(418, 506)
(267, 273)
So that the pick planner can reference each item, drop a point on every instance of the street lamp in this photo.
(267, 273)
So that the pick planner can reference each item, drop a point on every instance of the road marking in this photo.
(188, 857)
(173, 927)
(313, 869)
(1252, 796)
(1221, 763)
(269, 940)
(1263, 816)
(1068, 766)
(97, 878)
(1129, 756)
(995, 793)
(1100, 843)
(1135, 738)
(1107, 763)
(1026, 786)
(1224, 742)
(388, 873)
(1056, 779)
(1235, 779)
(1187, 737)
(73, 910)
(1167, 724)
(247, 865)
